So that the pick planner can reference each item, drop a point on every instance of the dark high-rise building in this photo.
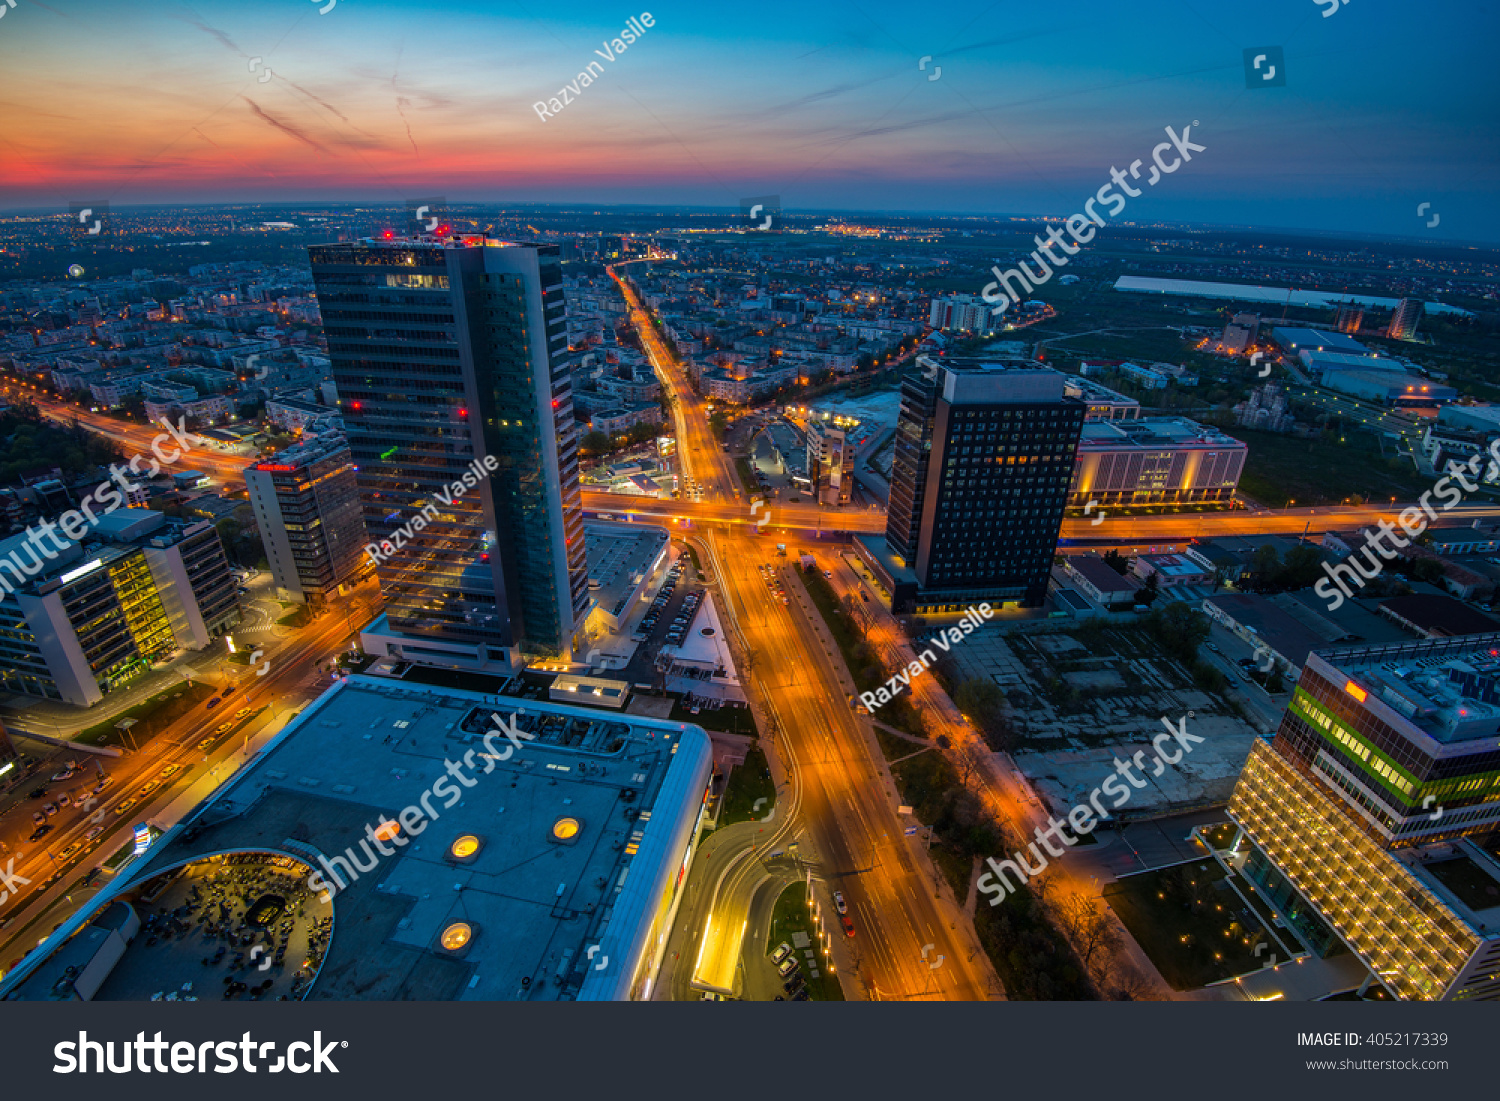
(449, 359)
(306, 504)
(1372, 818)
(983, 456)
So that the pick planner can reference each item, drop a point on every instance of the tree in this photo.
(1180, 630)
(595, 444)
(1116, 561)
(985, 706)
(1150, 591)
(1091, 929)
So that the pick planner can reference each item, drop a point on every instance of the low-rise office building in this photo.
(1155, 460)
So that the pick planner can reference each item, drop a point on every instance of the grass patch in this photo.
(1316, 472)
(730, 720)
(1190, 923)
(790, 915)
(151, 715)
(748, 783)
(748, 481)
(957, 869)
(300, 617)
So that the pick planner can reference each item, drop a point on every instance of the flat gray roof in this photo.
(535, 896)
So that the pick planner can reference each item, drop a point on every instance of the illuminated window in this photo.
(1356, 691)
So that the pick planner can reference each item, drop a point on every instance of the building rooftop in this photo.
(1318, 340)
(1447, 688)
(1150, 432)
(620, 557)
(1285, 633)
(1439, 616)
(1100, 574)
(573, 839)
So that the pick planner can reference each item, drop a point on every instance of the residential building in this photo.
(962, 313)
(466, 373)
(306, 504)
(830, 463)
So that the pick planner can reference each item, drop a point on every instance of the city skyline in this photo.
(1024, 116)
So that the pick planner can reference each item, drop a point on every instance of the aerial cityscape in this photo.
(822, 562)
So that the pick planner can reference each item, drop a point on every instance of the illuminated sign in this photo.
(73, 575)
(1356, 691)
(142, 838)
(275, 466)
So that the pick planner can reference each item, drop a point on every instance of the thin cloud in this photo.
(285, 127)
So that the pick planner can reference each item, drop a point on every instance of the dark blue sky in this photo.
(1385, 105)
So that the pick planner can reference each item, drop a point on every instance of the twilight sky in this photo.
(1387, 104)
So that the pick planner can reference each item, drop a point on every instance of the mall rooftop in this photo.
(580, 837)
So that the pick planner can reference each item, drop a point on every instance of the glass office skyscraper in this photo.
(446, 351)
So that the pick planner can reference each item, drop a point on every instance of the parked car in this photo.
(838, 902)
(40, 832)
(214, 702)
(49, 809)
(847, 924)
(65, 774)
(783, 950)
(787, 966)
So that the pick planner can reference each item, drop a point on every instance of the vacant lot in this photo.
(1313, 472)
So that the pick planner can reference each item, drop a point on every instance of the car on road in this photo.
(38, 817)
(242, 712)
(169, 770)
(828, 573)
(49, 809)
(847, 924)
(229, 691)
(787, 966)
(125, 807)
(224, 728)
(838, 902)
(1214, 648)
(69, 851)
(37, 793)
(214, 702)
(64, 800)
(104, 782)
(94, 831)
(65, 774)
(206, 742)
(783, 950)
(40, 832)
(147, 788)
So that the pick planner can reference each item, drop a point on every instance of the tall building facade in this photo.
(963, 313)
(1362, 815)
(102, 612)
(983, 456)
(1404, 319)
(447, 352)
(306, 502)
